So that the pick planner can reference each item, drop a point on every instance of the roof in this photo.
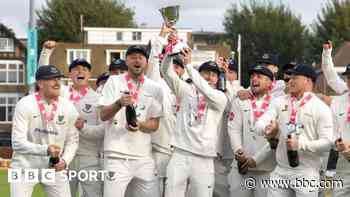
(10, 34)
(342, 55)
(208, 33)
(145, 29)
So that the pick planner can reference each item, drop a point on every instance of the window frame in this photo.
(68, 51)
(17, 70)
(8, 96)
(109, 51)
(136, 35)
(117, 34)
(10, 45)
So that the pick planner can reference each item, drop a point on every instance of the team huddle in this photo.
(161, 126)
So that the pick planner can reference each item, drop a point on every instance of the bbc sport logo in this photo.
(49, 175)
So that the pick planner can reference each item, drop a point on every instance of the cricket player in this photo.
(161, 147)
(196, 133)
(127, 148)
(117, 67)
(341, 114)
(251, 150)
(222, 163)
(43, 127)
(278, 86)
(306, 126)
(91, 129)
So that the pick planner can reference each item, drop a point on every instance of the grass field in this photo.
(38, 190)
(5, 187)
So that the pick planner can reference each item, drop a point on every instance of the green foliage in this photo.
(333, 23)
(60, 19)
(266, 28)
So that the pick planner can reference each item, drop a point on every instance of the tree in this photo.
(333, 23)
(266, 28)
(60, 20)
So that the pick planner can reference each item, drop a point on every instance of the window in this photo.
(112, 54)
(7, 106)
(11, 72)
(119, 36)
(6, 45)
(73, 54)
(136, 35)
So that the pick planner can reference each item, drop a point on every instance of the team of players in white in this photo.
(189, 135)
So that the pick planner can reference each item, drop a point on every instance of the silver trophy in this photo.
(171, 16)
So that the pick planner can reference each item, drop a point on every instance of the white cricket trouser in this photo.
(185, 167)
(136, 175)
(247, 185)
(88, 188)
(295, 182)
(60, 188)
(341, 190)
(222, 168)
(162, 161)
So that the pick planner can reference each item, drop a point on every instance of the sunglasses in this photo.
(287, 79)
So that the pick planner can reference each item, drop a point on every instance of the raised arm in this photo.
(178, 86)
(332, 77)
(157, 44)
(48, 48)
(214, 97)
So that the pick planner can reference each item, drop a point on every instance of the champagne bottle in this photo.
(221, 84)
(293, 157)
(240, 163)
(130, 113)
(53, 161)
(332, 160)
(273, 143)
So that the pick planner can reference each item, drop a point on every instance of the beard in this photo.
(137, 70)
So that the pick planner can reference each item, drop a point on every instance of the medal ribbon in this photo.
(134, 90)
(294, 111)
(47, 116)
(201, 105)
(75, 96)
(169, 47)
(348, 113)
(257, 112)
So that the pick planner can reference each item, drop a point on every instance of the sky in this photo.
(206, 15)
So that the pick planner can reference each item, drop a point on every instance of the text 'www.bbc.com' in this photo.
(251, 183)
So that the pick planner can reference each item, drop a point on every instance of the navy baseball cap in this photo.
(118, 64)
(79, 62)
(287, 68)
(102, 77)
(261, 70)
(347, 70)
(48, 72)
(268, 59)
(209, 66)
(137, 49)
(232, 65)
(306, 71)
